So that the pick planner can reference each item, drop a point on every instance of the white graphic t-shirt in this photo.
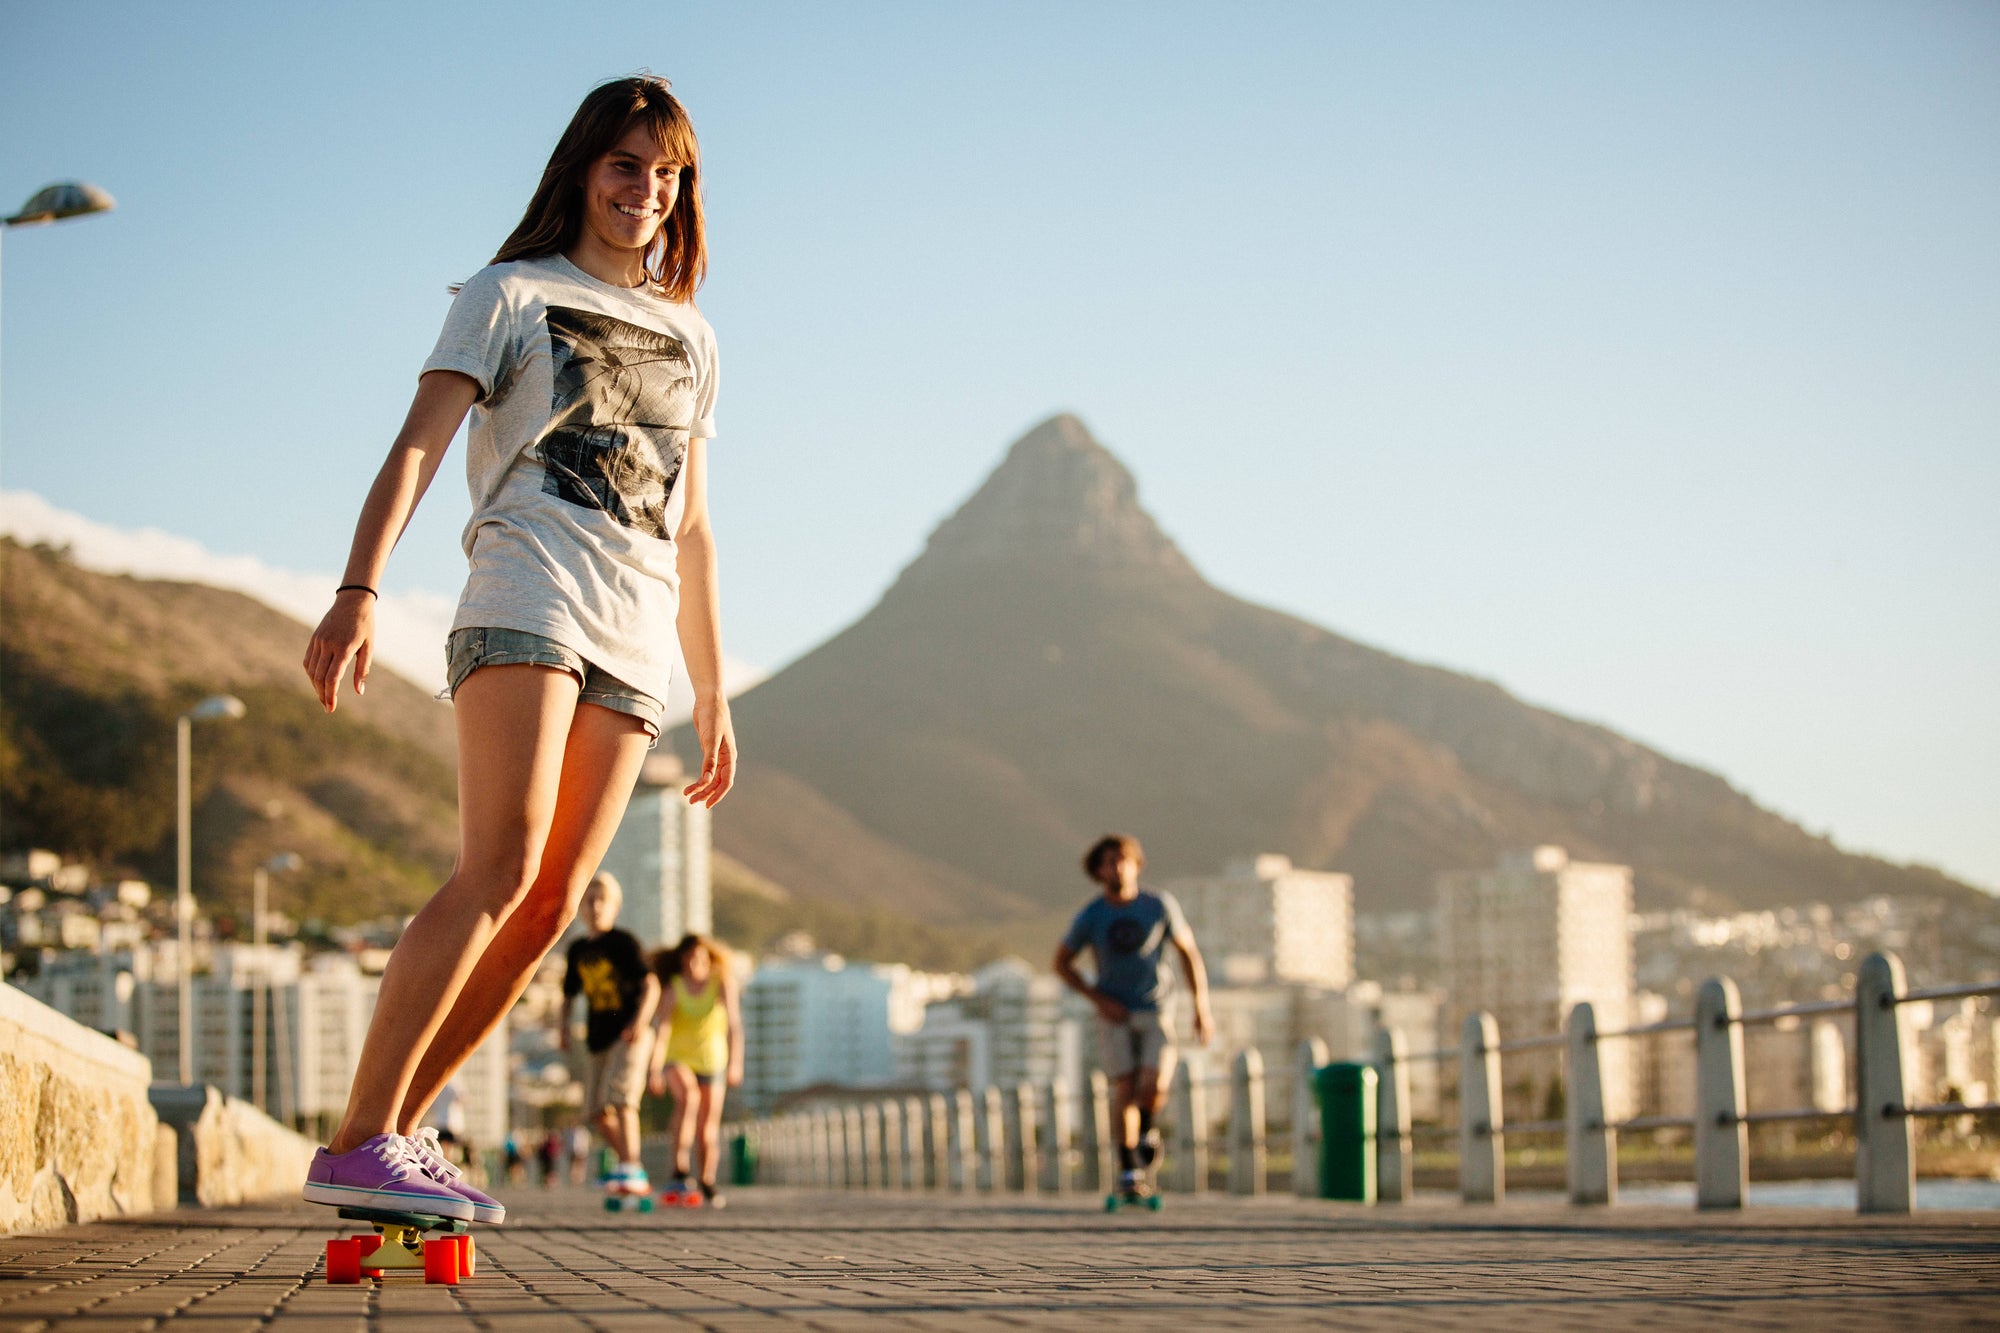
(589, 394)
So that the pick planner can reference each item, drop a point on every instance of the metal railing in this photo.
(1043, 1139)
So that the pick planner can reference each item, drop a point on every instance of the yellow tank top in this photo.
(698, 1034)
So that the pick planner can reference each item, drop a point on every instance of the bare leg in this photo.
(680, 1081)
(628, 1129)
(512, 726)
(1126, 1108)
(612, 1132)
(710, 1133)
(601, 759)
(1150, 1090)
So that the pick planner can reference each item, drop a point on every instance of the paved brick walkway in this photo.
(789, 1258)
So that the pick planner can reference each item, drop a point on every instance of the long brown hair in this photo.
(677, 260)
(667, 962)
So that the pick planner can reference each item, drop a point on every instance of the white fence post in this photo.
(963, 1172)
(1100, 1160)
(853, 1150)
(992, 1134)
(1305, 1119)
(1395, 1161)
(937, 1142)
(1188, 1157)
(1590, 1143)
(1721, 1139)
(880, 1116)
(913, 1143)
(1055, 1140)
(1482, 1166)
(1885, 1152)
(1247, 1129)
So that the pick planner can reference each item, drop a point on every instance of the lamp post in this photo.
(215, 708)
(260, 892)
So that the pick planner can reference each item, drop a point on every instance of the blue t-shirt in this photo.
(1129, 940)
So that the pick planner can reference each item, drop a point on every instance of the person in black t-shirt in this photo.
(608, 968)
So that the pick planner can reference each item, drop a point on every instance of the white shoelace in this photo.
(395, 1153)
(425, 1142)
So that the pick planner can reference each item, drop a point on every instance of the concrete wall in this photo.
(79, 1139)
(229, 1152)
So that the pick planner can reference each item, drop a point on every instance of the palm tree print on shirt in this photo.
(624, 398)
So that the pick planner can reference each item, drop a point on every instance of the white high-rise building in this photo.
(1263, 920)
(808, 1021)
(1011, 1028)
(1530, 939)
(660, 857)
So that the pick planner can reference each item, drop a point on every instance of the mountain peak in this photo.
(1061, 495)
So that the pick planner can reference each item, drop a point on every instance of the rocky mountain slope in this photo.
(1052, 666)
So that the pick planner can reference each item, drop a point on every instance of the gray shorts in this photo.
(469, 649)
(617, 1077)
(1139, 1042)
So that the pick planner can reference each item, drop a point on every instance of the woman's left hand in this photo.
(718, 753)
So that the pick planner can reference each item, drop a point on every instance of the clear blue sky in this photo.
(1645, 358)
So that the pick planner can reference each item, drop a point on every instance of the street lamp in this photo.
(215, 708)
(260, 892)
(65, 199)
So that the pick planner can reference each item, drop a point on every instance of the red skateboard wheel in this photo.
(441, 1261)
(343, 1262)
(466, 1261)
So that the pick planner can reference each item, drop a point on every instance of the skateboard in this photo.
(628, 1203)
(1141, 1196)
(1142, 1193)
(681, 1196)
(398, 1246)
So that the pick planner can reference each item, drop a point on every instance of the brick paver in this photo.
(838, 1261)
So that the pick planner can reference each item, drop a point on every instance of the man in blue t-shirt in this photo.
(1128, 930)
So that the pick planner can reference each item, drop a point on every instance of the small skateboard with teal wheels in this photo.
(620, 1201)
(1138, 1193)
(397, 1245)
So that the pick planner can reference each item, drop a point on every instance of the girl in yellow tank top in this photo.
(698, 1027)
(697, 1057)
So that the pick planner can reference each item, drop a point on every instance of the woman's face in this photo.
(696, 965)
(630, 191)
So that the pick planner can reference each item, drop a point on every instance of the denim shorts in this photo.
(471, 648)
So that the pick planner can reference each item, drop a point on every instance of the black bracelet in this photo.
(357, 587)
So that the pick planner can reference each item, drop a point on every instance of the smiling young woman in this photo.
(590, 379)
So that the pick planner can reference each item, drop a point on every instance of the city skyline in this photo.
(1629, 359)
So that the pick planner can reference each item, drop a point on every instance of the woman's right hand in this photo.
(345, 634)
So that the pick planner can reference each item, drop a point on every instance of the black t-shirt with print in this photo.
(610, 972)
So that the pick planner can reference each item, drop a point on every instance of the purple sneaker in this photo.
(383, 1172)
(430, 1156)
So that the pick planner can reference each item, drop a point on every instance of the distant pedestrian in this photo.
(579, 1152)
(1128, 930)
(548, 1154)
(516, 1168)
(589, 381)
(698, 1056)
(610, 970)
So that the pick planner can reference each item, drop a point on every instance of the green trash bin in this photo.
(742, 1161)
(1346, 1093)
